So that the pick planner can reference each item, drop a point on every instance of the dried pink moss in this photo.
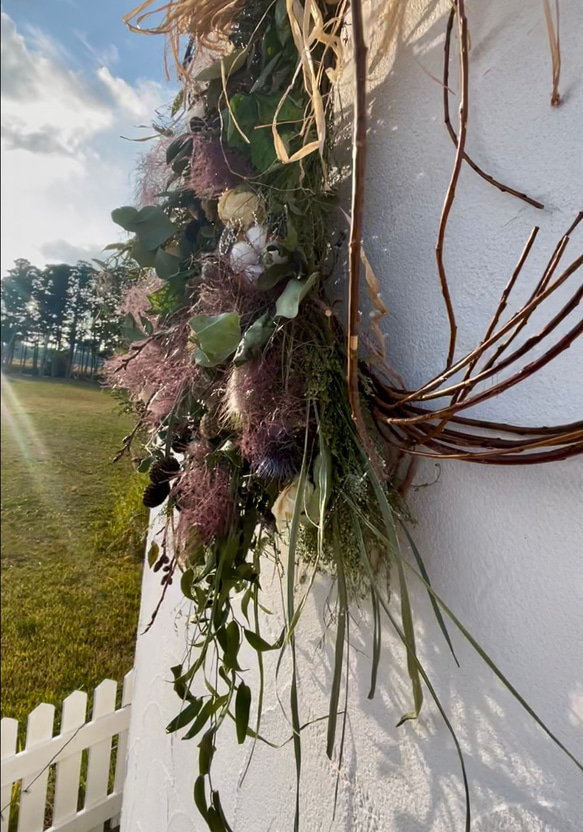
(214, 168)
(204, 496)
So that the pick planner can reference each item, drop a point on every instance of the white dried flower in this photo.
(246, 254)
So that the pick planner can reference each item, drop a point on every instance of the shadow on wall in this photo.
(408, 779)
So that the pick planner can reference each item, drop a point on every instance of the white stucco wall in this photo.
(504, 546)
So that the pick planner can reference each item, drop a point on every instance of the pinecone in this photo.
(155, 494)
(163, 470)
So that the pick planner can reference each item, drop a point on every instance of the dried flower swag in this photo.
(237, 361)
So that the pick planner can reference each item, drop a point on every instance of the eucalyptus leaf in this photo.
(202, 718)
(186, 582)
(217, 337)
(273, 275)
(185, 717)
(254, 339)
(199, 796)
(153, 553)
(141, 255)
(259, 644)
(125, 216)
(152, 226)
(288, 303)
(231, 63)
(206, 753)
(166, 265)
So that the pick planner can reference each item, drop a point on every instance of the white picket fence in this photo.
(42, 751)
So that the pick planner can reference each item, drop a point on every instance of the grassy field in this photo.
(71, 542)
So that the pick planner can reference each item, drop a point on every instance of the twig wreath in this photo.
(265, 416)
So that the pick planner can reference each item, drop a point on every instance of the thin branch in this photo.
(528, 345)
(505, 295)
(446, 412)
(447, 119)
(402, 397)
(555, 45)
(357, 210)
(450, 195)
(539, 288)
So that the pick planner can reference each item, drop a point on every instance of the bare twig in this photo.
(450, 195)
(539, 288)
(447, 119)
(555, 45)
(402, 397)
(505, 295)
(357, 209)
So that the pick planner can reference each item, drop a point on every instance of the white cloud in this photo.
(64, 165)
(104, 57)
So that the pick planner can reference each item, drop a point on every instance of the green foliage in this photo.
(341, 510)
(254, 339)
(288, 303)
(217, 337)
(150, 224)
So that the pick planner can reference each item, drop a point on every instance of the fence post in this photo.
(122, 742)
(100, 754)
(69, 769)
(8, 749)
(33, 796)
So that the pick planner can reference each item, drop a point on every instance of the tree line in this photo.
(61, 320)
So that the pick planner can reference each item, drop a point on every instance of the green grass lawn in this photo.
(72, 543)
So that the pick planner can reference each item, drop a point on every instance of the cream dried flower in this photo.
(284, 507)
(240, 209)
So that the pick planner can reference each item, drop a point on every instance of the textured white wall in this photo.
(504, 546)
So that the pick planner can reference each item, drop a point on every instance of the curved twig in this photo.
(447, 119)
(450, 195)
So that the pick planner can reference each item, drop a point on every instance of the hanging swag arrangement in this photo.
(265, 420)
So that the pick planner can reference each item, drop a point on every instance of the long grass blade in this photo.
(434, 604)
(420, 669)
(494, 667)
(338, 657)
(376, 643)
(291, 565)
(406, 612)
(467, 635)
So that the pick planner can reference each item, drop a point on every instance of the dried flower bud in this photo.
(155, 494)
(284, 507)
(240, 208)
(164, 469)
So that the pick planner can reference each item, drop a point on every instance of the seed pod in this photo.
(164, 470)
(155, 494)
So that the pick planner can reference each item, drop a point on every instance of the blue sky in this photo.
(74, 80)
